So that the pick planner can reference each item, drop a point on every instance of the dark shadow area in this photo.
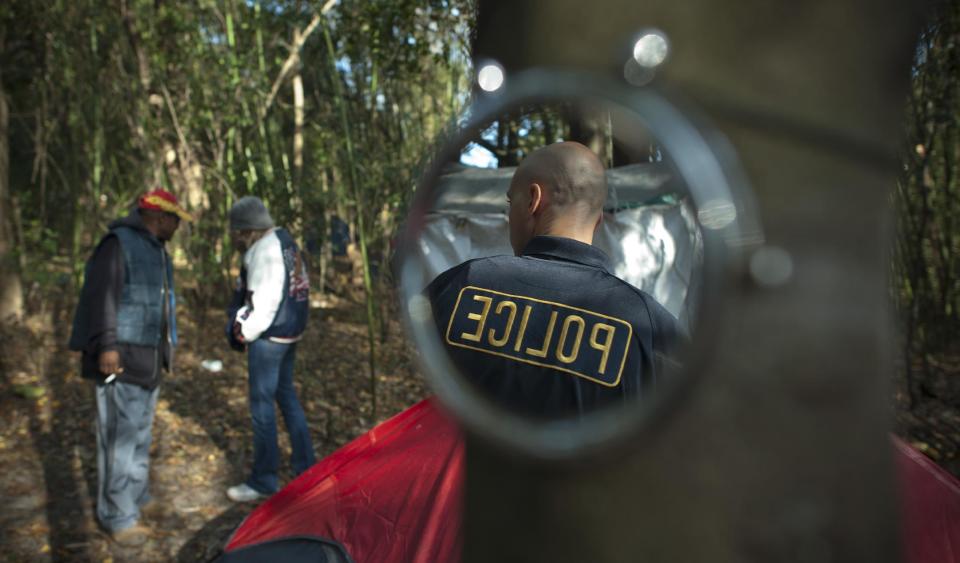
(294, 549)
(72, 411)
(209, 542)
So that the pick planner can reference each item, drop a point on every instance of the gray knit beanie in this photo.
(249, 214)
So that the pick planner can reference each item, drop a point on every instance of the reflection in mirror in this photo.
(566, 261)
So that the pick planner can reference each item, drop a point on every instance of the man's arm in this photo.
(105, 284)
(669, 337)
(266, 275)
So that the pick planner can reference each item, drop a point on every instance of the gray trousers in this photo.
(124, 421)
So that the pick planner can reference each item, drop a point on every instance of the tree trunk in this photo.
(326, 248)
(361, 231)
(11, 291)
(591, 127)
(296, 198)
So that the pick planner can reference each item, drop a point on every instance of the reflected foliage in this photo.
(509, 139)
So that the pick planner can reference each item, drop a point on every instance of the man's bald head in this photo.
(570, 172)
(558, 190)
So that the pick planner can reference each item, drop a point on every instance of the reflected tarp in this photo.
(649, 230)
(393, 496)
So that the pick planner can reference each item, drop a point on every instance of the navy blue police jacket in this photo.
(552, 332)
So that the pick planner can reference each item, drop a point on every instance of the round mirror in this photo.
(564, 258)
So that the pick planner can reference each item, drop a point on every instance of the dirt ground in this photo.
(201, 437)
(931, 421)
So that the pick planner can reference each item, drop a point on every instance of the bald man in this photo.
(551, 332)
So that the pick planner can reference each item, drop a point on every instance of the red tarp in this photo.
(393, 496)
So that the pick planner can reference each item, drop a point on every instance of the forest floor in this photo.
(930, 421)
(201, 437)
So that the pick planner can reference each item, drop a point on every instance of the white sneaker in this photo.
(244, 493)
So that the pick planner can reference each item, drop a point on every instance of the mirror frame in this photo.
(717, 188)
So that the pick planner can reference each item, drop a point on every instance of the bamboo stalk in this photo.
(361, 228)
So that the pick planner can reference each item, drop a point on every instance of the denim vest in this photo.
(141, 309)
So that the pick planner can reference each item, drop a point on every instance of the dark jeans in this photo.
(271, 379)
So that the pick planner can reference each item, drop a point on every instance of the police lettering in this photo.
(544, 333)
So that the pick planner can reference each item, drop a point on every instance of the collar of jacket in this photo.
(265, 235)
(134, 221)
(562, 248)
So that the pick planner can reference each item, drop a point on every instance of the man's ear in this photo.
(536, 198)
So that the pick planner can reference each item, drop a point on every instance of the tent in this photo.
(391, 495)
(929, 508)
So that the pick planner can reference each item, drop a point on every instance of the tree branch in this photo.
(495, 150)
(294, 56)
(176, 122)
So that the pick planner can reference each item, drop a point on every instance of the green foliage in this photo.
(108, 100)
(927, 252)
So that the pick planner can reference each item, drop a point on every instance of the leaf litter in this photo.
(201, 437)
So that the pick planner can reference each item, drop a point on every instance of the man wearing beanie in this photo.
(125, 326)
(267, 318)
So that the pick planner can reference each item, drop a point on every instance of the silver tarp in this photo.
(649, 230)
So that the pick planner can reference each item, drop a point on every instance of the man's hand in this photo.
(109, 362)
(238, 333)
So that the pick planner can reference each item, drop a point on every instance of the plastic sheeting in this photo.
(649, 230)
(393, 495)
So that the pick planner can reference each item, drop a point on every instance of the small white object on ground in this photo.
(212, 365)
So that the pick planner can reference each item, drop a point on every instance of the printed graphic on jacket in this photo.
(297, 270)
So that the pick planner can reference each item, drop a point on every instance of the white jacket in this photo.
(265, 278)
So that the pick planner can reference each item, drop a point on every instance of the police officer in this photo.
(551, 332)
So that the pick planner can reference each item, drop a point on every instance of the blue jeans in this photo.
(124, 420)
(270, 366)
